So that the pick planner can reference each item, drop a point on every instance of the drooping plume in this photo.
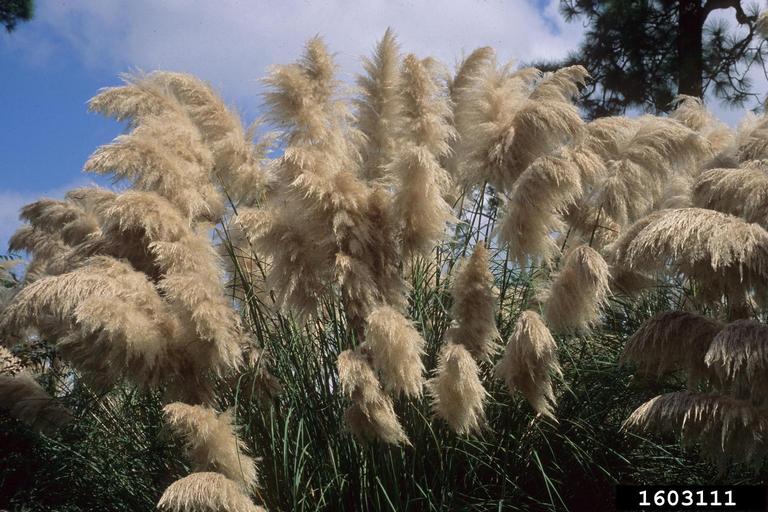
(738, 355)
(670, 341)
(458, 395)
(578, 291)
(396, 348)
(742, 192)
(371, 416)
(713, 247)
(211, 443)
(474, 305)
(529, 361)
(727, 429)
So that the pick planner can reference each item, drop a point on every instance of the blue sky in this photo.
(50, 67)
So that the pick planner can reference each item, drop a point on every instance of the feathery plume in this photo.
(205, 492)
(378, 108)
(691, 111)
(738, 355)
(458, 395)
(421, 181)
(396, 348)
(474, 305)
(671, 341)
(697, 242)
(539, 196)
(578, 291)
(742, 192)
(371, 415)
(529, 360)
(484, 113)
(211, 443)
(727, 429)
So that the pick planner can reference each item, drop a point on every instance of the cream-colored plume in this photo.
(237, 162)
(396, 348)
(211, 443)
(577, 292)
(371, 416)
(708, 245)
(421, 181)
(529, 360)
(474, 305)
(458, 395)
(636, 180)
(484, 113)
(538, 199)
(379, 107)
(205, 492)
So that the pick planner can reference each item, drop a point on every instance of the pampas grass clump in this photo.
(341, 237)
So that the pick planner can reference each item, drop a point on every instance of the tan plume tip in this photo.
(635, 179)
(301, 95)
(211, 443)
(529, 360)
(379, 107)
(726, 428)
(739, 357)
(483, 114)
(458, 395)
(166, 155)
(425, 109)
(26, 400)
(671, 341)
(561, 85)
(371, 416)
(474, 305)
(205, 492)
(691, 111)
(578, 291)
(396, 348)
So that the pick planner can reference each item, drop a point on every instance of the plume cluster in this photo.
(458, 395)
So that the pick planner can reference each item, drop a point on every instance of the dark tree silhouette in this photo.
(642, 53)
(13, 11)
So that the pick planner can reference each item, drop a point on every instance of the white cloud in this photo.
(231, 43)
